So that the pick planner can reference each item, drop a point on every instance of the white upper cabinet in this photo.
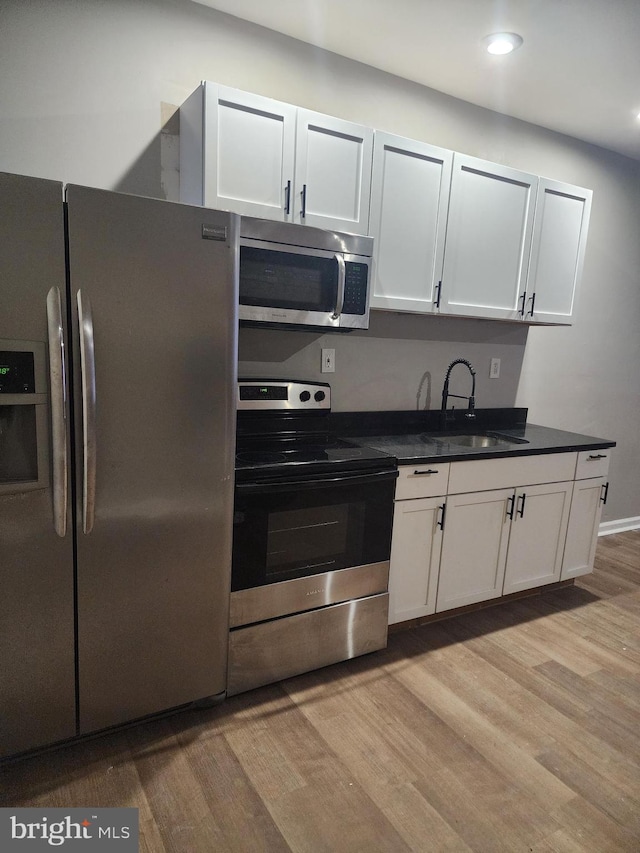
(452, 234)
(265, 158)
(332, 173)
(489, 230)
(557, 251)
(237, 152)
(409, 201)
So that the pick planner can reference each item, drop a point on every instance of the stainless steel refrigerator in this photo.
(118, 339)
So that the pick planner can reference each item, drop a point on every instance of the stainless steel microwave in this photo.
(299, 276)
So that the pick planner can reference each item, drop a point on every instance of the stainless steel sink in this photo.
(474, 440)
(479, 441)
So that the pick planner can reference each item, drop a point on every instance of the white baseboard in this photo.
(619, 526)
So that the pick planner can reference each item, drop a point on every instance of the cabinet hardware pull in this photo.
(522, 498)
(597, 456)
(428, 471)
(533, 304)
(524, 301)
(443, 510)
(436, 301)
(512, 502)
(603, 497)
(287, 204)
(303, 212)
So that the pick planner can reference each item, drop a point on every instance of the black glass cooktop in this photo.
(270, 456)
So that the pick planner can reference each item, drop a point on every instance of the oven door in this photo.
(287, 529)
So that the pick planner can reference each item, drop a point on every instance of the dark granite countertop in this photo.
(416, 437)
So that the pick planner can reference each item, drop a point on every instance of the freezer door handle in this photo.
(88, 370)
(58, 394)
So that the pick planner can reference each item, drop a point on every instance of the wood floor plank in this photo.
(178, 805)
(514, 728)
(595, 830)
(339, 815)
(571, 714)
(598, 789)
(241, 814)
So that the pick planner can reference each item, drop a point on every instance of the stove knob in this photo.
(319, 396)
(304, 396)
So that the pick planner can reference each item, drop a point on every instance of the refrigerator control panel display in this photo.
(17, 375)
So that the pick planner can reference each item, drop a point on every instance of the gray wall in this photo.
(88, 92)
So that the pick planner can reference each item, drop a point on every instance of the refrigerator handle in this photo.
(88, 371)
(58, 396)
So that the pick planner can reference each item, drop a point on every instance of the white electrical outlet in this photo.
(494, 370)
(328, 360)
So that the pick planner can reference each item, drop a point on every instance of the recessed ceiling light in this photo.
(501, 43)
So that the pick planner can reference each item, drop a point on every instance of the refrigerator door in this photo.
(154, 295)
(37, 664)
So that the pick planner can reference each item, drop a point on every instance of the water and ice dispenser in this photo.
(23, 416)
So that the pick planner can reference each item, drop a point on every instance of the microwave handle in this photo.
(341, 279)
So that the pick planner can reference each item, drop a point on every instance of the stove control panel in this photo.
(280, 395)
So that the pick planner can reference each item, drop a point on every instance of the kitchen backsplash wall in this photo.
(87, 92)
(399, 363)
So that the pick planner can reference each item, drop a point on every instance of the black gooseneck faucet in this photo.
(470, 414)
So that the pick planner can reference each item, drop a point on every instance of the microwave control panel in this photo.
(355, 288)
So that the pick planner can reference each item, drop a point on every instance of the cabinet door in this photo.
(247, 152)
(582, 534)
(557, 251)
(409, 201)
(474, 548)
(415, 558)
(333, 173)
(537, 538)
(488, 239)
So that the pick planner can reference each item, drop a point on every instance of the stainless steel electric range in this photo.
(311, 538)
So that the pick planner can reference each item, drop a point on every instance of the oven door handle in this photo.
(314, 481)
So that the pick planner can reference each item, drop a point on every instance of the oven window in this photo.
(281, 535)
(272, 279)
(312, 539)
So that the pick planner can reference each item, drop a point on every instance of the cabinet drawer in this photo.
(592, 463)
(281, 648)
(422, 481)
(482, 474)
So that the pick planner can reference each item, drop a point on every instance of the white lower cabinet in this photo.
(415, 558)
(474, 550)
(520, 523)
(584, 521)
(589, 496)
(537, 536)
(417, 540)
(502, 541)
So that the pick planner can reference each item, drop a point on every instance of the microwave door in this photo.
(284, 284)
(288, 284)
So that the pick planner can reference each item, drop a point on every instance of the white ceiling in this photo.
(578, 71)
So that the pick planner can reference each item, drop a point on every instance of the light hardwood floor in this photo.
(514, 728)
